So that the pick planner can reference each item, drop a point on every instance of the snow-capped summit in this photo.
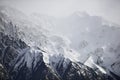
(28, 51)
(80, 14)
(89, 35)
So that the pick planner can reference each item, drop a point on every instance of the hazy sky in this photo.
(109, 9)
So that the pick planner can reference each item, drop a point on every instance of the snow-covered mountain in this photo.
(94, 38)
(29, 51)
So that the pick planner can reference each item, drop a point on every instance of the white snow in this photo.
(1, 65)
(93, 65)
(88, 28)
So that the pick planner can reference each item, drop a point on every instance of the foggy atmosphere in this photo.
(59, 40)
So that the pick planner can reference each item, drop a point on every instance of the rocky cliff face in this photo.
(27, 52)
(96, 39)
(21, 62)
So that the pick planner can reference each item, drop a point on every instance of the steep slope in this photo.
(91, 36)
(22, 62)
(28, 52)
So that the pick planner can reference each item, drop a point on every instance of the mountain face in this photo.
(95, 39)
(30, 52)
(21, 62)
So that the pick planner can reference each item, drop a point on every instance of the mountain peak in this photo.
(80, 14)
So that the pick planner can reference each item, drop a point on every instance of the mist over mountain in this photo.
(90, 36)
(41, 47)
